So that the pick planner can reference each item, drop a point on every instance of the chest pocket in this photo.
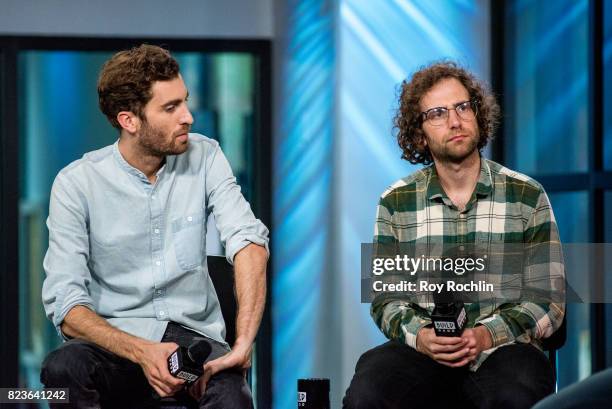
(189, 240)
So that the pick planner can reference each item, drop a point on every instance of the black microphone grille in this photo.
(199, 350)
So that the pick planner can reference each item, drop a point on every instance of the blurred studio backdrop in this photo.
(301, 94)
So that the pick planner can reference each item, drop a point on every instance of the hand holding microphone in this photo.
(444, 342)
(188, 363)
(449, 342)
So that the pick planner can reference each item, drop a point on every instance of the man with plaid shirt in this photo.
(446, 116)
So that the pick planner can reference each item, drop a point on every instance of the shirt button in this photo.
(190, 218)
(158, 263)
(461, 248)
(162, 313)
(152, 196)
(462, 216)
(156, 231)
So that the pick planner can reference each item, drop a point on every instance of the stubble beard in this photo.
(155, 143)
(456, 155)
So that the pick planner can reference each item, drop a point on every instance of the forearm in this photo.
(399, 320)
(83, 323)
(250, 278)
(524, 322)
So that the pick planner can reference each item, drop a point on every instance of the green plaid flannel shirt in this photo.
(505, 206)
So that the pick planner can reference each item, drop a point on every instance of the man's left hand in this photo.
(239, 357)
(478, 340)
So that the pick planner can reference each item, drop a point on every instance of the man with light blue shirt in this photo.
(127, 280)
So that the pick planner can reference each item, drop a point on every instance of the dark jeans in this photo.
(394, 375)
(98, 378)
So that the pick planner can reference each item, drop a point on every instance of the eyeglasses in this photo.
(438, 116)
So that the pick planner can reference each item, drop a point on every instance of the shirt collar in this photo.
(132, 170)
(124, 164)
(484, 185)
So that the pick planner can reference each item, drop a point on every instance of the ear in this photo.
(128, 121)
(423, 138)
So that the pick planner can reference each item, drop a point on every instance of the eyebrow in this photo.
(455, 105)
(175, 101)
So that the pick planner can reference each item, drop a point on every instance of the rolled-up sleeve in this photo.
(65, 264)
(235, 220)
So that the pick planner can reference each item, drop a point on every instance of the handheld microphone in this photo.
(449, 316)
(187, 363)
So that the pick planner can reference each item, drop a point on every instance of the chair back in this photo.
(222, 275)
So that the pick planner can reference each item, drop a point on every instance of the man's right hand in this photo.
(153, 358)
(82, 322)
(449, 351)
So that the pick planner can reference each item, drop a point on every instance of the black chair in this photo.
(222, 275)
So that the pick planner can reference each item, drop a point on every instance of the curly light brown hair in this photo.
(126, 79)
(408, 119)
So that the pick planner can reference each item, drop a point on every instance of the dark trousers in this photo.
(395, 376)
(97, 378)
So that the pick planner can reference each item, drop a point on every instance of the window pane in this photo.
(571, 213)
(221, 99)
(59, 121)
(546, 88)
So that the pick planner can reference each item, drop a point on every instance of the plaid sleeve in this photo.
(541, 312)
(397, 319)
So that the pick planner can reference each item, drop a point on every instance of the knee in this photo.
(513, 396)
(241, 398)
(386, 375)
(227, 390)
(369, 390)
(71, 360)
(362, 395)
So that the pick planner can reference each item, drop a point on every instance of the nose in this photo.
(186, 117)
(453, 119)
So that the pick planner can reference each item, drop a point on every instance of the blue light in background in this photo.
(302, 195)
(381, 44)
(336, 155)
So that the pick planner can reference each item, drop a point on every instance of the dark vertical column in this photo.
(498, 59)
(596, 193)
(263, 208)
(9, 199)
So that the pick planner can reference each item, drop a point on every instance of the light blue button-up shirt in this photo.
(134, 252)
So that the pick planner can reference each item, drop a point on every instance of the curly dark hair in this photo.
(408, 120)
(126, 79)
